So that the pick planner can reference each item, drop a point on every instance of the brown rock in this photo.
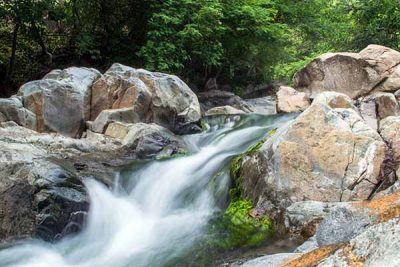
(327, 149)
(289, 100)
(350, 73)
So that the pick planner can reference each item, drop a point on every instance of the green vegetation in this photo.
(239, 227)
(237, 42)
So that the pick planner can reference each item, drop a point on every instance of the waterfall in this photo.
(157, 209)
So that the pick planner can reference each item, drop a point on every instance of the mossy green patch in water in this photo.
(240, 226)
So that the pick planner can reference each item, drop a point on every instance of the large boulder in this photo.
(353, 74)
(156, 97)
(61, 100)
(328, 154)
(289, 100)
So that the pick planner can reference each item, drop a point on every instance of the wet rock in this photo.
(289, 100)
(41, 181)
(149, 140)
(224, 110)
(353, 74)
(58, 195)
(328, 149)
(61, 94)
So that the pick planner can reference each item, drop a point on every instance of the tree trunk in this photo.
(7, 91)
(41, 43)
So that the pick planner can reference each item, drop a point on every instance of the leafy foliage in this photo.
(237, 42)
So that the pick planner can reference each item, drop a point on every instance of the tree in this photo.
(376, 22)
(225, 39)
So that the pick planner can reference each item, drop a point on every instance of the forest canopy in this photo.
(236, 42)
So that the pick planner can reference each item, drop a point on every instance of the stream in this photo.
(157, 210)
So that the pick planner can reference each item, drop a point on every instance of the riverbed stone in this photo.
(289, 100)
(150, 140)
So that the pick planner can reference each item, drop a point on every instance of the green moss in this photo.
(272, 132)
(235, 168)
(238, 228)
(203, 125)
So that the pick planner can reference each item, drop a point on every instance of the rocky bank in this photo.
(328, 178)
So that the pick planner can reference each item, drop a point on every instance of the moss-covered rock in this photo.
(240, 226)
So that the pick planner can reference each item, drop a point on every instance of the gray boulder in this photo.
(156, 97)
(61, 101)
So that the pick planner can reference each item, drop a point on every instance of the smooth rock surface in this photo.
(354, 74)
(328, 149)
(289, 100)
(379, 245)
(156, 97)
(61, 100)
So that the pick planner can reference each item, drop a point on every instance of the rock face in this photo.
(154, 97)
(373, 69)
(61, 101)
(328, 149)
(374, 247)
(41, 175)
(146, 140)
(289, 100)
(64, 100)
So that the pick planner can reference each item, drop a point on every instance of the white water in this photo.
(155, 212)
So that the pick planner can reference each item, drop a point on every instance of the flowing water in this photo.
(157, 210)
